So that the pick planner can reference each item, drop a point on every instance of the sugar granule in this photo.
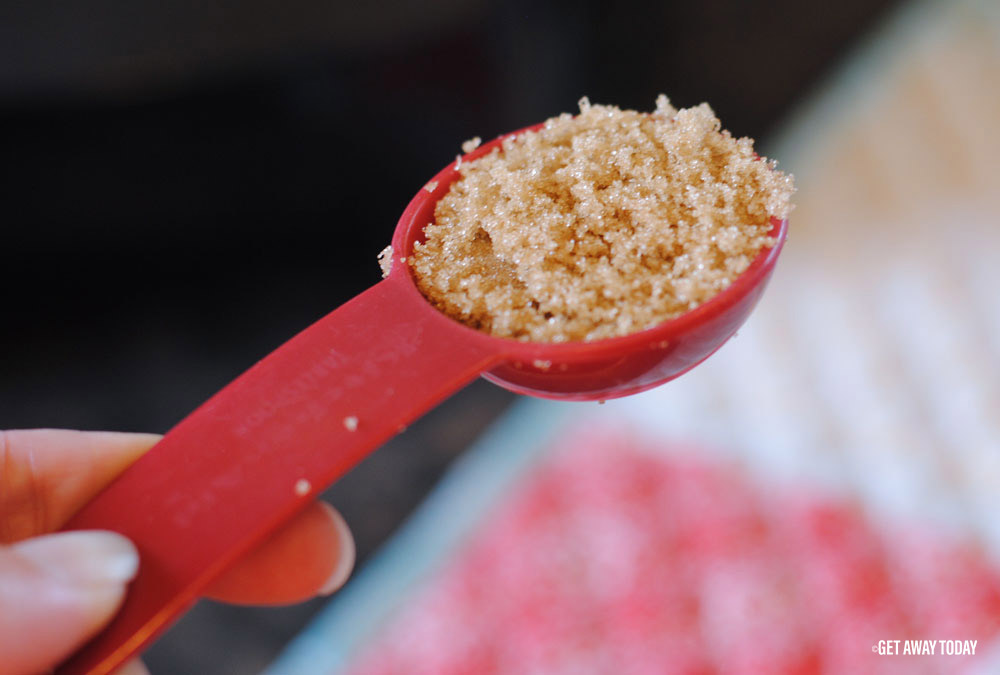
(600, 224)
(351, 423)
(432, 186)
(471, 144)
(302, 487)
(385, 260)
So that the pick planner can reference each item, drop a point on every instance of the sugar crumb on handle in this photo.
(600, 224)
(302, 487)
(351, 423)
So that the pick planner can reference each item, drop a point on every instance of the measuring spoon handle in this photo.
(259, 450)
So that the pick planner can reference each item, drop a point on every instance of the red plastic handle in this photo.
(260, 449)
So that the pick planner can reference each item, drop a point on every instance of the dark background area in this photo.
(186, 186)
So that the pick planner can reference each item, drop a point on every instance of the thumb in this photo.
(56, 591)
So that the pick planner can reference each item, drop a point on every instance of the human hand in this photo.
(58, 590)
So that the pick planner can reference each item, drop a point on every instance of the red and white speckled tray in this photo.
(617, 558)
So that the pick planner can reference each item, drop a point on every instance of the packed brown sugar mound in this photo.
(599, 225)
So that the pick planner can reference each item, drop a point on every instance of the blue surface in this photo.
(470, 488)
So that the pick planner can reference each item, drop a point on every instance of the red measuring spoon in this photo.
(255, 453)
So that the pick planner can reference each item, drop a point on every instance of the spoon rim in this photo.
(409, 230)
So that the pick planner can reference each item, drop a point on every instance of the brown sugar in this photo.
(599, 224)
(385, 259)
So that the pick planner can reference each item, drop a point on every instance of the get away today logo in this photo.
(926, 647)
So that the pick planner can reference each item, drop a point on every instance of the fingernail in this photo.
(345, 563)
(133, 667)
(84, 558)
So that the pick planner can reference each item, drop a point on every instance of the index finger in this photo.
(46, 475)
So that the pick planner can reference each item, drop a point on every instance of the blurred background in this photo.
(187, 185)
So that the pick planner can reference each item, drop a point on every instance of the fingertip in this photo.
(58, 591)
(134, 667)
(85, 558)
(311, 553)
(347, 552)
